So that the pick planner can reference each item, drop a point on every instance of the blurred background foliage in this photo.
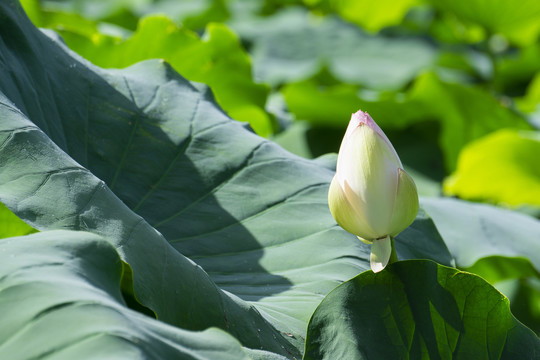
(455, 84)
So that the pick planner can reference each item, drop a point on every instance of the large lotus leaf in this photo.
(292, 46)
(421, 310)
(11, 225)
(474, 231)
(252, 215)
(51, 191)
(61, 299)
(501, 167)
(465, 113)
(217, 59)
(519, 23)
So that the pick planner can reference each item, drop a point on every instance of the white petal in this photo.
(380, 254)
(369, 166)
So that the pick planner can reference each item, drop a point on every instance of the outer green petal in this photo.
(406, 205)
(369, 166)
(345, 213)
(380, 254)
(367, 242)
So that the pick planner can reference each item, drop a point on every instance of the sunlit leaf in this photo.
(499, 168)
(519, 23)
(373, 15)
(11, 225)
(464, 113)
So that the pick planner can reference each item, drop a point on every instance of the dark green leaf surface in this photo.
(421, 240)
(496, 268)
(420, 310)
(239, 206)
(220, 227)
(217, 59)
(61, 299)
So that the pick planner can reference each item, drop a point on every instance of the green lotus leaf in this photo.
(216, 59)
(496, 231)
(292, 45)
(61, 299)
(501, 167)
(372, 16)
(519, 23)
(11, 225)
(394, 314)
(209, 216)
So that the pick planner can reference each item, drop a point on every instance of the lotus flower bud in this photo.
(371, 195)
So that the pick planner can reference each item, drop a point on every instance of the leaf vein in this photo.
(253, 216)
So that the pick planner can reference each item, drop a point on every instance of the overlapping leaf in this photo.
(417, 309)
(248, 244)
(217, 59)
(238, 205)
(61, 299)
(519, 23)
(464, 113)
(292, 46)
